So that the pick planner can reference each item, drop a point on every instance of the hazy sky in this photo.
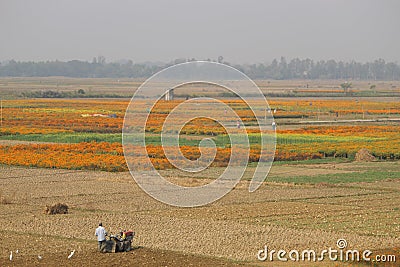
(247, 31)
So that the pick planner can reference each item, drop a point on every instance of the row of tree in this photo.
(330, 69)
(277, 69)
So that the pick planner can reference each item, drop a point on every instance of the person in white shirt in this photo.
(101, 235)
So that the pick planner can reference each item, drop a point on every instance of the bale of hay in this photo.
(364, 155)
(58, 208)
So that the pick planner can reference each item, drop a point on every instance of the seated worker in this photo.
(122, 236)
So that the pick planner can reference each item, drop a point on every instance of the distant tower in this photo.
(169, 95)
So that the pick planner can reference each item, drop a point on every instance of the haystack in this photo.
(364, 155)
(58, 208)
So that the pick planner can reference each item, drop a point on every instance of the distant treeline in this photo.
(68, 94)
(277, 69)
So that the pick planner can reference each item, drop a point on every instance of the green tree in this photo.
(346, 86)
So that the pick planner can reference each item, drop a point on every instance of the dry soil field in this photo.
(228, 232)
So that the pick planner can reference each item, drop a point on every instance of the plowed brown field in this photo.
(228, 232)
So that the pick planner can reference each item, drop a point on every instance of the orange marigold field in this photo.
(377, 131)
(91, 156)
(25, 117)
(90, 115)
(109, 157)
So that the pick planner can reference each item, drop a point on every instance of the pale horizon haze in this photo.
(240, 31)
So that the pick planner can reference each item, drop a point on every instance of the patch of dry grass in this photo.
(5, 200)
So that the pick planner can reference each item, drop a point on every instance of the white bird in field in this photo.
(72, 254)
(11, 256)
(39, 257)
(16, 251)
